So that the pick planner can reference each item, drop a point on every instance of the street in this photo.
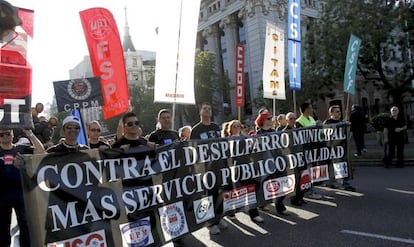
(379, 214)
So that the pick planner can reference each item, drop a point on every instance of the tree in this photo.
(383, 59)
(209, 85)
(142, 102)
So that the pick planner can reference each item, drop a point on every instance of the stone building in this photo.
(225, 23)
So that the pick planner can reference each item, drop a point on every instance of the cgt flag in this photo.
(107, 59)
(351, 64)
(15, 70)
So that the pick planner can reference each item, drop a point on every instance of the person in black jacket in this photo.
(335, 117)
(11, 191)
(165, 134)
(71, 131)
(358, 128)
(394, 137)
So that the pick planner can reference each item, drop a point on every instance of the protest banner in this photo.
(351, 64)
(274, 63)
(240, 77)
(107, 59)
(294, 45)
(147, 197)
(174, 68)
(78, 94)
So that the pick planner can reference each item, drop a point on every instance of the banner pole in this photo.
(173, 115)
(294, 101)
(238, 113)
(347, 107)
(177, 64)
(274, 106)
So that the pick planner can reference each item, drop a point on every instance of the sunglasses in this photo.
(130, 124)
(95, 130)
(5, 134)
(72, 128)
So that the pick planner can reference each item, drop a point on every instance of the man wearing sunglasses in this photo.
(94, 134)
(11, 193)
(70, 132)
(132, 134)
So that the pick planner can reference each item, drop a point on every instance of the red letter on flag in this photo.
(239, 76)
(107, 59)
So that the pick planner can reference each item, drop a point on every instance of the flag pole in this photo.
(294, 101)
(347, 107)
(177, 63)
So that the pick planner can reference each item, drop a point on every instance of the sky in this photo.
(59, 44)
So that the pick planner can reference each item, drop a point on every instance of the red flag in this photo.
(239, 75)
(107, 59)
(16, 76)
(26, 15)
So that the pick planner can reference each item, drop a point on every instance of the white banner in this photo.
(274, 63)
(174, 70)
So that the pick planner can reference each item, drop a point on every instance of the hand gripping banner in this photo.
(107, 59)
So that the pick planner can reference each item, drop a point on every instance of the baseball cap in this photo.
(262, 117)
(71, 119)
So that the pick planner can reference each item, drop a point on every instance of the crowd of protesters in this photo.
(129, 135)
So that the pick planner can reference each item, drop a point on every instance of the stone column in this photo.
(255, 14)
(230, 26)
(212, 35)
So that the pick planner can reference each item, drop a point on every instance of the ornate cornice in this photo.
(211, 30)
(229, 21)
(281, 8)
(249, 9)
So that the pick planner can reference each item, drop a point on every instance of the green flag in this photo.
(351, 64)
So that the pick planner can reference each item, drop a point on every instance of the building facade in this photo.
(223, 24)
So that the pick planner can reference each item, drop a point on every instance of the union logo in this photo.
(99, 27)
(79, 89)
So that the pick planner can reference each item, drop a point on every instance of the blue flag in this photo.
(82, 138)
(294, 44)
(351, 64)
